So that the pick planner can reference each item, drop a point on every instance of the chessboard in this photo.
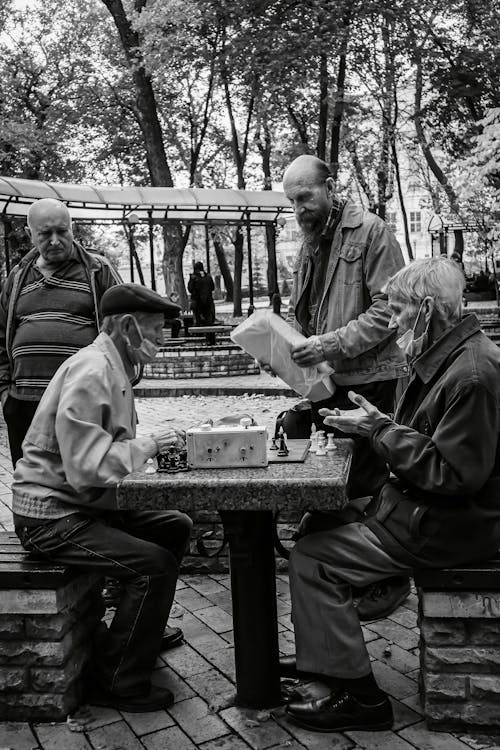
(298, 450)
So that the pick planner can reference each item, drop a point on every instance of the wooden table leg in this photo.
(253, 586)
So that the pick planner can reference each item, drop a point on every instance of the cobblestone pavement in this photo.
(201, 672)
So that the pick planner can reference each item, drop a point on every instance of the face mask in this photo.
(411, 346)
(145, 352)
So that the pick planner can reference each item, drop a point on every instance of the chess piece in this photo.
(313, 439)
(321, 444)
(330, 446)
(283, 448)
(273, 446)
(150, 467)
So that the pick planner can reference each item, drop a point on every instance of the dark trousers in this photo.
(143, 550)
(18, 416)
(368, 471)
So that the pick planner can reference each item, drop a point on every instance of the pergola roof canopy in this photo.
(89, 203)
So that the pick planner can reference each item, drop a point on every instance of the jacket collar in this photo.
(106, 345)
(427, 365)
(352, 215)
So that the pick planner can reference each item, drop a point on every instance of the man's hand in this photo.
(357, 421)
(310, 352)
(168, 437)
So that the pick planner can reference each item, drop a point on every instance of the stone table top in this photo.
(317, 484)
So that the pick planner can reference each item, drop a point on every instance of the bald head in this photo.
(49, 226)
(309, 169)
(309, 186)
(44, 207)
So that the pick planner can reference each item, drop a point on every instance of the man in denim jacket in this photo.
(440, 507)
(337, 301)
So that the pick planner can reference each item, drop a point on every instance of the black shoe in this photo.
(341, 712)
(382, 598)
(155, 700)
(298, 691)
(171, 638)
(288, 668)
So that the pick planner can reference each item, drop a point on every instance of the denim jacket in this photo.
(442, 506)
(353, 313)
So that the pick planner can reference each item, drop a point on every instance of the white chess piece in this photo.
(321, 443)
(314, 440)
(330, 446)
(150, 467)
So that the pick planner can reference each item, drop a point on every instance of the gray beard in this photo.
(310, 239)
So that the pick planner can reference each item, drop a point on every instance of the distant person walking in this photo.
(201, 287)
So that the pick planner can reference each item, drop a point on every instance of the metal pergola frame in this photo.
(132, 205)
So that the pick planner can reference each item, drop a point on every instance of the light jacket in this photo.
(82, 438)
(443, 505)
(353, 314)
(101, 275)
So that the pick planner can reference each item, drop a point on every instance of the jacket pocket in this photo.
(351, 263)
(403, 518)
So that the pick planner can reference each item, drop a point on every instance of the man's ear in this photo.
(124, 324)
(330, 187)
(429, 306)
(28, 232)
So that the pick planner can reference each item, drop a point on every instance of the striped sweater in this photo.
(49, 319)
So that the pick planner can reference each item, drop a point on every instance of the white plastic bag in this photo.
(270, 339)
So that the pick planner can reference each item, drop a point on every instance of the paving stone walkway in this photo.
(201, 672)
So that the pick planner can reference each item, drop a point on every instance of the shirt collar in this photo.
(333, 218)
(427, 365)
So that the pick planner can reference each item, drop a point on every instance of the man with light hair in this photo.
(49, 309)
(440, 507)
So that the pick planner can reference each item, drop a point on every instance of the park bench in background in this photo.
(210, 332)
(48, 616)
(459, 618)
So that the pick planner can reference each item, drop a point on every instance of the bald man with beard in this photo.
(49, 310)
(338, 302)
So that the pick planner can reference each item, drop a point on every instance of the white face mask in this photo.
(145, 352)
(411, 346)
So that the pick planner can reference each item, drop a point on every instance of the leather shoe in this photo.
(382, 598)
(171, 638)
(155, 700)
(298, 691)
(340, 712)
(288, 668)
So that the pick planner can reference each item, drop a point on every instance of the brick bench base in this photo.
(48, 616)
(459, 613)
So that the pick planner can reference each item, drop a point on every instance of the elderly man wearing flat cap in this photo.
(81, 442)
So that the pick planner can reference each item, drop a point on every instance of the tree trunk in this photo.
(426, 150)
(264, 147)
(402, 201)
(238, 266)
(323, 106)
(223, 266)
(146, 112)
(338, 109)
(459, 242)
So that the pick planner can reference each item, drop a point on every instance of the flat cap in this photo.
(130, 298)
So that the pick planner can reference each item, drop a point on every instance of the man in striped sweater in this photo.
(49, 309)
